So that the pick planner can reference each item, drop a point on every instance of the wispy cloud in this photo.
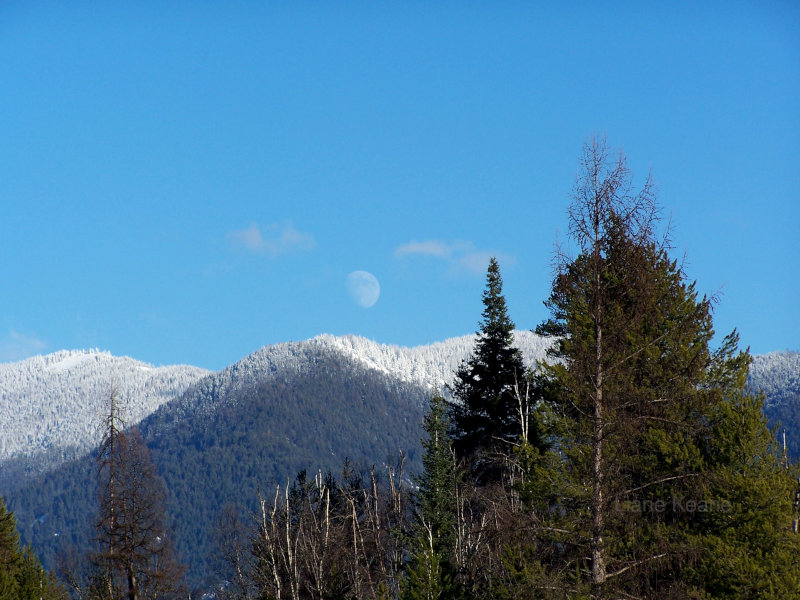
(275, 240)
(17, 346)
(429, 248)
(460, 255)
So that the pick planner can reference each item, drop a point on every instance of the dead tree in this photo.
(133, 545)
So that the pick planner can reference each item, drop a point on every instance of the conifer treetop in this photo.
(496, 322)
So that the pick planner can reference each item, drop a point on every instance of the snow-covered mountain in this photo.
(777, 374)
(432, 365)
(219, 437)
(51, 406)
(289, 406)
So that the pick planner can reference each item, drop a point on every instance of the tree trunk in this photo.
(131, 583)
(598, 555)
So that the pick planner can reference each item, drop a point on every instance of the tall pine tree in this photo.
(485, 415)
(656, 427)
(429, 574)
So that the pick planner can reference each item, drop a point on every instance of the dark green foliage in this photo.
(35, 583)
(425, 577)
(435, 497)
(667, 464)
(526, 573)
(746, 544)
(429, 574)
(9, 552)
(21, 574)
(485, 416)
(224, 445)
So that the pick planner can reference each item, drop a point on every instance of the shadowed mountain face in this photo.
(262, 432)
(777, 375)
(251, 426)
(51, 407)
(307, 405)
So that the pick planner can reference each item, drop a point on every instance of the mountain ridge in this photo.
(284, 407)
(51, 405)
(777, 374)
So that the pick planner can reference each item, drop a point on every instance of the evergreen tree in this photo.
(429, 573)
(434, 498)
(486, 412)
(651, 436)
(9, 553)
(746, 531)
(21, 574)
(425, 578)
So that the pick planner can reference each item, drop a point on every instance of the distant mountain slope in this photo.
(777, 374)
(431, 365)
(259, 432)
(256, 423)
(252, 425)
(51, 406)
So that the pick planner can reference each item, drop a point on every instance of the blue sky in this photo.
(187, 183)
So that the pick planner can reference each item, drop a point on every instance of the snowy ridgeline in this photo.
(777, 374)
(432, 366)
(53, 405)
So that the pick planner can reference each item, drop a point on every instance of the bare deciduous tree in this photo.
(134, 548)
(318, 537)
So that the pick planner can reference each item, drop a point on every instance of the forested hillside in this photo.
(256, 423)
(304, 405)
(777, 375)
(284, 408)
(51, 406)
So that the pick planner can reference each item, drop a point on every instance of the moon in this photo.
(363, 288)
